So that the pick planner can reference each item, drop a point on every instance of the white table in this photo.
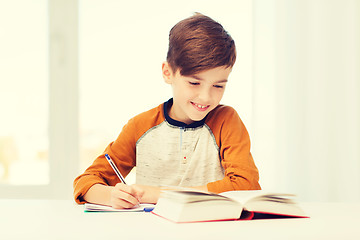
(60, 219)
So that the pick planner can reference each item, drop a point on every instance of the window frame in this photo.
(63, 106)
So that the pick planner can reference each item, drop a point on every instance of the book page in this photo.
(187, 196)
(242, 196)
(267, 202)
(258, 195)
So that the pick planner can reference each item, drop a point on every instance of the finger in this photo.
(126, 193)
(125, 196)
(133, 190)
(121, 204)
(138, 191)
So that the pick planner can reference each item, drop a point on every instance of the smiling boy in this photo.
(190, 140)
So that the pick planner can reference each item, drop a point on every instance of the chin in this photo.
(198, 118)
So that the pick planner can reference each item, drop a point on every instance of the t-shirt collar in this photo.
(176, 123)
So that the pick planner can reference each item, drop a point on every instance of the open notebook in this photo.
(91, 207)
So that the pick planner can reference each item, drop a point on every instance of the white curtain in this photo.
(306, 97)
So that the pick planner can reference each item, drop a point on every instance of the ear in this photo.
(167, 72)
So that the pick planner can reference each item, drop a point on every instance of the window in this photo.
(39, 126)
(24, 93)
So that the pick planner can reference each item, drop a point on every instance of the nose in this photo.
(205, 95)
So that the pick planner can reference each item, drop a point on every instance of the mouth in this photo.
(200, 107)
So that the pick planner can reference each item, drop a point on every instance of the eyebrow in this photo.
(200, 79)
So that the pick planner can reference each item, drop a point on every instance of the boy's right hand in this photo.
(125, 196)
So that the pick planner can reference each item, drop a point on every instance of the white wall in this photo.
(306, 136)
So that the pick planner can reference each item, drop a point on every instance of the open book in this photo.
(91, 207)
(193, 206)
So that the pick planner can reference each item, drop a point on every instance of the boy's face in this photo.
(196, 95)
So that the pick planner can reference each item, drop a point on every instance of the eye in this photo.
(218, 86)
(194, 83)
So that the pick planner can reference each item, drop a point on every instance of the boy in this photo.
(190, 140)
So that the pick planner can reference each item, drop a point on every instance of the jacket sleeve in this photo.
(122, 152)
(233, 140)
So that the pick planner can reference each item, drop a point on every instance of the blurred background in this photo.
(73, 72)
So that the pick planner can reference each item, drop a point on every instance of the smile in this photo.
(200, 107)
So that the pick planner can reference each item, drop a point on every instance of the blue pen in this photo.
(112, 164)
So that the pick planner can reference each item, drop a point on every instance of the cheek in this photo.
(181, 91)
(186, 91)
(218, 94)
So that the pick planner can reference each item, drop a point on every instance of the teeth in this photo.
(200, 106)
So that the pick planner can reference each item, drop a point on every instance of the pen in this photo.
(112, 164)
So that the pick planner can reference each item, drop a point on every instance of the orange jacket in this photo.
(214, 152)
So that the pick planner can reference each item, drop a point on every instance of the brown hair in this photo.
(199, 43)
